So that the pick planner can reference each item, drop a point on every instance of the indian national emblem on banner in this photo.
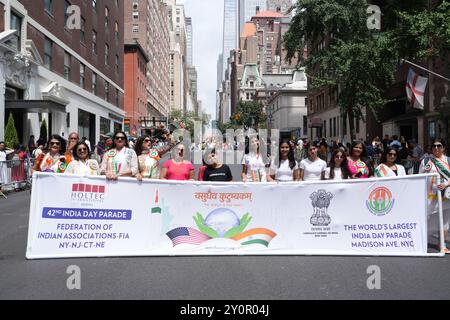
(321, 200)
(380, 201)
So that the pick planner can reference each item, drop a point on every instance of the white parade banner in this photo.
(76, 216)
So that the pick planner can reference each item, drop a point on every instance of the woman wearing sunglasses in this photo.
(338, 169)
(149, 156)
(438, 163)
(81, 164)
(120, 160)
(389, 166)
(54, 160)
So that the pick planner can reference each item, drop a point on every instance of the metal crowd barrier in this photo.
(15, 174)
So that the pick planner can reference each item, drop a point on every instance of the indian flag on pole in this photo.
(255, 236)
(415, 89)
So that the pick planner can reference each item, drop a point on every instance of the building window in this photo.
(105, 125)
(324, 128)
(94, 83)
(83, 30)
(117, 63)
(67, 66)
(94, 5)
(106, 54)
(334, 127)
(117, 97)
(135, 28)
(116, 31)
(48, 48)
(106, 90)
(82, 75)
(331, 127)
(106, 17)
(94, 42)
(16, 24)
(48, 5)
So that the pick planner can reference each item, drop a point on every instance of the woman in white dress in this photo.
(338, 167)
(81, 164)
(438, 163)
(285, 169)
(312, 167)
(120, 160)
(253, 166)
(388, 166)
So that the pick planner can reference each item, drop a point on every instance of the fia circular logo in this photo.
(380, 201)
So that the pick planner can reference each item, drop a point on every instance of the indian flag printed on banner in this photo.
(255, 236)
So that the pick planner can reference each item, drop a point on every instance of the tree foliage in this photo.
(249, 114)
(11, 138)
(361, 61)
(43, 131)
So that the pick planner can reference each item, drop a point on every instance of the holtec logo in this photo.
(87, 192)
(380, 201)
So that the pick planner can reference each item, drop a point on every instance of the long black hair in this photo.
(291, 157)
(140, 141)
(247, 144)
(344, 167)
(383, 158)
(114, 139)
(363, 157)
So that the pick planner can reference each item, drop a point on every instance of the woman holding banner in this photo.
(287, 168)
(389, 166)
(54, 160)
(253, 166)
(81, 163)
(312, 167)
(120, 160)
(438, 163)
(357, 162)
(338, 169)
(178, 168)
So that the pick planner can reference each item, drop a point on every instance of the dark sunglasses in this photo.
(437, 145)
(392, 154)
(119, 138)
(82, 149)
(53, 143)
(147, 140)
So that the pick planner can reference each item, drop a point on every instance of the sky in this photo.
(207, 21)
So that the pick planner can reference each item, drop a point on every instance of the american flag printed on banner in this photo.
(186, 235)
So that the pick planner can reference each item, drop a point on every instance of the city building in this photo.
(146, 23)
(282, 6)
(136, 82)
(62, 67)
(248, 9)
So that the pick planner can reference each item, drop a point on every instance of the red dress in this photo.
(18, 173)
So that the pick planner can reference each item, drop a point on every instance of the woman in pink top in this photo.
(178, 168)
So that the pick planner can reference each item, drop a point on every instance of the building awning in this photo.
(316, 122)
(35, 106)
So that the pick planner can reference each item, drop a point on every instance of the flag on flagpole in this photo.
(415, 89)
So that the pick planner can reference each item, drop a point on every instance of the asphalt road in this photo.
(200, 278)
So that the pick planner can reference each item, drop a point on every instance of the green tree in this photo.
(11, 138)
(249, 114)
(43, 131)
(359, 61)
